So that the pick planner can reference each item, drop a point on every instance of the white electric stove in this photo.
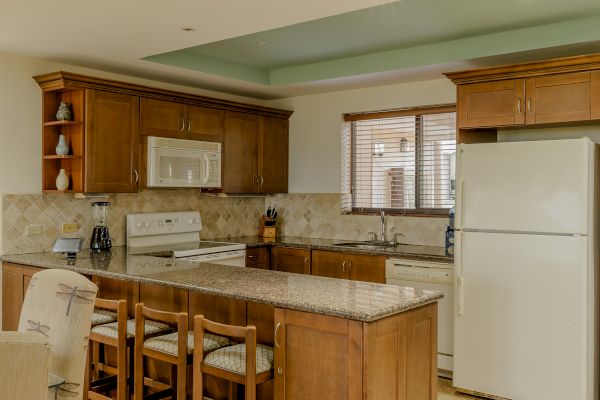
(177, 234)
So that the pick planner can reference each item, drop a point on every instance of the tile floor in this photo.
(446, 392)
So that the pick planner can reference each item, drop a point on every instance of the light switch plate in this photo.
(31, 230)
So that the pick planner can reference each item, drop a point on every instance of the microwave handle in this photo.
(206, 167)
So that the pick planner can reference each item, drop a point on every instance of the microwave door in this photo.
(176, 168)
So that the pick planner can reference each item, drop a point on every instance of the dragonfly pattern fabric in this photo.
(58, 306)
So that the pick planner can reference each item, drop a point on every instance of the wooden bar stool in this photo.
(120, 335)
(245, 363)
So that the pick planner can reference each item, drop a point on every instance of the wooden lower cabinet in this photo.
(258, 257)
(357, 267)
(321, 357)
(15, 280)
(290, 259)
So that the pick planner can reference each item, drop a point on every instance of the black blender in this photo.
(101, 240)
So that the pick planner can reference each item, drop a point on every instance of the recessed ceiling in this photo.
(270, 49)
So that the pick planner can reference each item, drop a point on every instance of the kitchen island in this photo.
(333, 338)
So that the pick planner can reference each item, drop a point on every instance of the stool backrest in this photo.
(178, 320)
(58, 306)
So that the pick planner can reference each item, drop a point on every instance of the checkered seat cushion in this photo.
(100, 317)
(168, 343)
(150, 328)
(233, 358)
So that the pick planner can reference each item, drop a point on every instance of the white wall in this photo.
(315, 126)
(20, 116)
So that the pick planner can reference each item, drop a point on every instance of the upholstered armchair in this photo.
(24, 362)
(58, 307)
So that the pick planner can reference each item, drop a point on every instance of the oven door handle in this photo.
(229, 256)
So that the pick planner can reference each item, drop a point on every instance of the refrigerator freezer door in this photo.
(524, 326)
(541, 186)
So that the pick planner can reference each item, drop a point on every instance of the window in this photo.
(399, 161)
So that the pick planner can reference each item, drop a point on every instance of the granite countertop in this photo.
(425, 253)
(361, 301)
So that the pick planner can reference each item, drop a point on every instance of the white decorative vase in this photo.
(62, 149)
(62, 180)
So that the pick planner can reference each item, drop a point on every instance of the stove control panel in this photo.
(152, 224)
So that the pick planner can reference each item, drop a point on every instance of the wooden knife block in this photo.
(267, 231)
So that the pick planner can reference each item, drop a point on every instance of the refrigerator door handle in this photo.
(461, 203)
(458, 272)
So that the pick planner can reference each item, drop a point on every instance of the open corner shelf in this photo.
(55, 157)
(62, 123)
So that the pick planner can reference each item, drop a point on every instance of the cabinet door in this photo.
(273, 155)
(491, 104)
(558, 98)
(257, 257)
(595, 106)
(331, 263)
(367, 268)
(111, 149)
(204, 123)
(161, 118)
(291, 260)
(15, 280)
(317, 357)
(240, 153)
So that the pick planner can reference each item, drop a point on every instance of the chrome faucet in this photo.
(383, 235)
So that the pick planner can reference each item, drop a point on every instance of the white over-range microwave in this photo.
(178, 163)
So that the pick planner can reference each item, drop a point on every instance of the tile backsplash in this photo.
(319, 216)
(236, 216)
(303, 215)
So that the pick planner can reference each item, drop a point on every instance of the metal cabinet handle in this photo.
(262, 180)
(277, 330)
(182, 124)
(137, 176)
(529, 105)
(349, 266)
(306, 265)
(189, 126)
(344, 266)
(519, 105)
(280, 370)
(252, 256)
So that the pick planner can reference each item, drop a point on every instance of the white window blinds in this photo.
(400, 161)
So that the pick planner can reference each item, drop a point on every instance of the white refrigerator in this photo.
(526, 270)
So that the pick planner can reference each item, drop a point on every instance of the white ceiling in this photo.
(114, 35)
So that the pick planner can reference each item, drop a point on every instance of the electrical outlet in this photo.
(31, 230)
(69, 228)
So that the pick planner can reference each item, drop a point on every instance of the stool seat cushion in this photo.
(233, 358)
(100, 317)
(168, 343)
(110, 330)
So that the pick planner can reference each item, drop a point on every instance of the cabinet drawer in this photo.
(257, 257)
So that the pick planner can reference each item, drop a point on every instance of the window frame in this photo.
(418, 113)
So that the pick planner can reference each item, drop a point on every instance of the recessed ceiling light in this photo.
(260, 43)
(188, 29)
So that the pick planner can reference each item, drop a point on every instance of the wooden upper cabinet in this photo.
(181, 121)
(240, 153)
(161, 118)
(595, 88)
(112, 139)
(490, 104)
(332, 264)
(273, 155)
(204, 123)
(558, 98)
(288, 259)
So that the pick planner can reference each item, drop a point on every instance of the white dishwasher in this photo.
(430, 275)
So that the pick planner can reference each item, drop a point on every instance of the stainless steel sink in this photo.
(364, 245)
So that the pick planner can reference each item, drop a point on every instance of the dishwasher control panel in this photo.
(409, 270)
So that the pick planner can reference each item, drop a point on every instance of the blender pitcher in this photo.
(101, 240)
